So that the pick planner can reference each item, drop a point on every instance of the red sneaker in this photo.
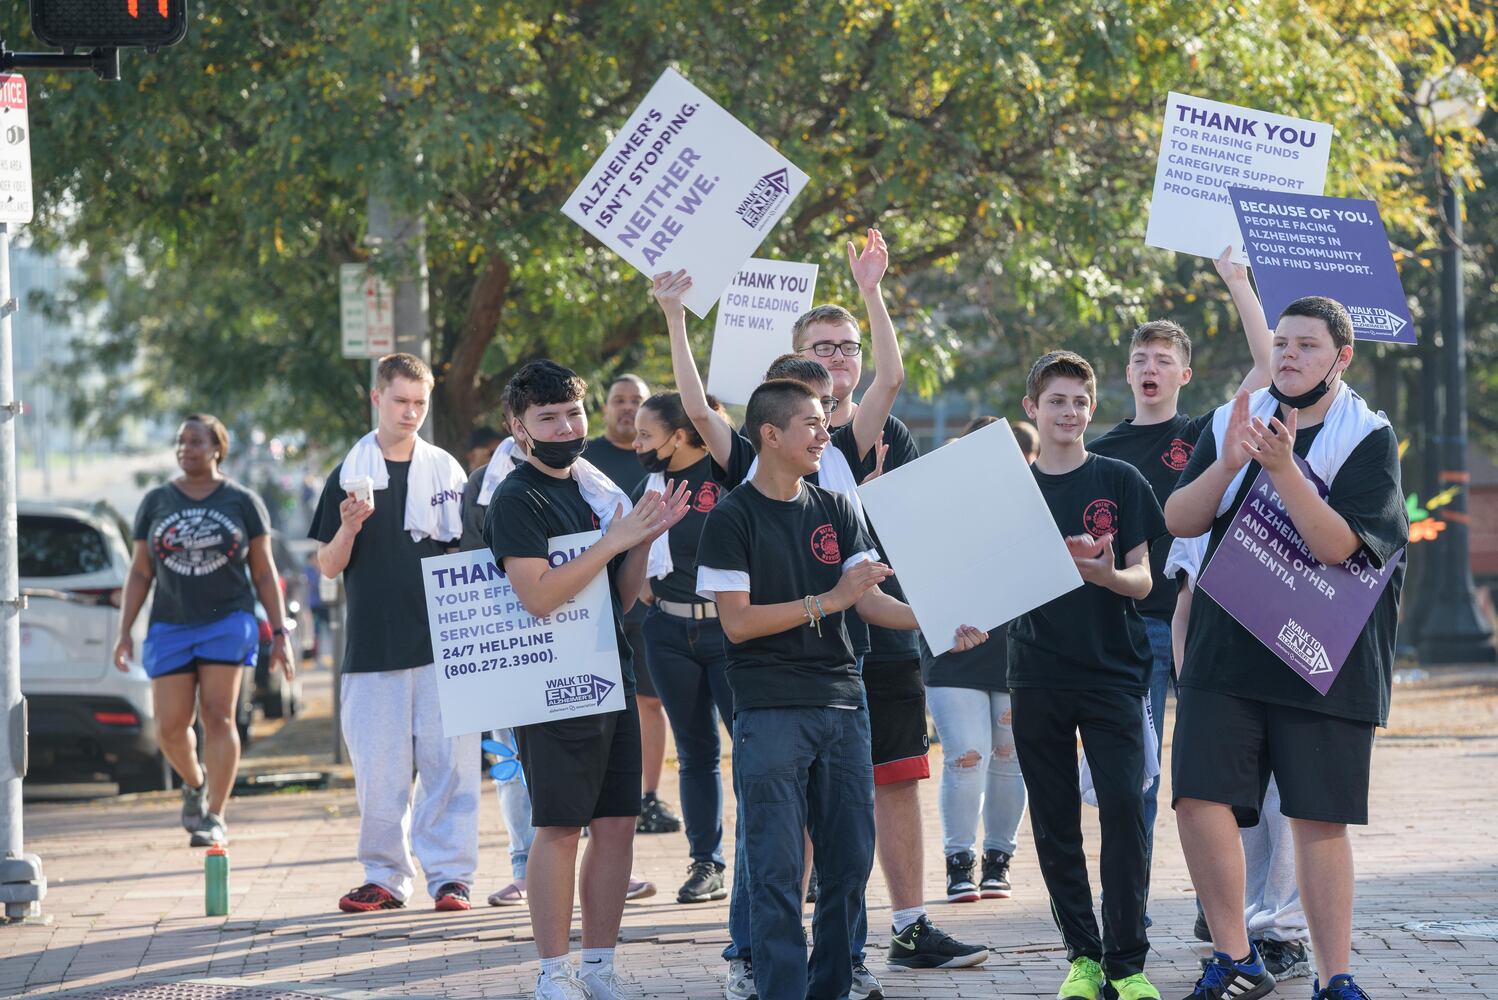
(453, 896)
(367, 898)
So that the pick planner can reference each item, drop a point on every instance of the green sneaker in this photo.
(1135, 987)
(1083, 982)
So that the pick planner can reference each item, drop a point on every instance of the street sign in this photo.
(15, 151)
(366, 307)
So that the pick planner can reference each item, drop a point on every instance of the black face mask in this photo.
(555, 454)
(1310, 397)
(653, 462)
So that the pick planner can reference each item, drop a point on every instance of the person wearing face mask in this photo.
(195, 539)
(1243, 715)
(682, 636)
(582, 771)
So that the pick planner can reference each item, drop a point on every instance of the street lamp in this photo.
(1453, 629)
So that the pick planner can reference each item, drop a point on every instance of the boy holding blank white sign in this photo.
(1066, 679)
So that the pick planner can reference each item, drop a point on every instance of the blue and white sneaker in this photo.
(1339, 988)
(1225, 979)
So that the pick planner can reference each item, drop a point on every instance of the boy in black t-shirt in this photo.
(582, 771)
(1244, 715)
(784, 560)
(1080, 663)
(1158, 441)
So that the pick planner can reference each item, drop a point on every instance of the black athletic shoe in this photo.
(1224, 979)
(925, 946)
(960, 885)
(1201, 931)
(1285, 959)
(995, 884)
(704, 883)
(656, 816)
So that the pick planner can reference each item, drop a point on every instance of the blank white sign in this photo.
(969, 535)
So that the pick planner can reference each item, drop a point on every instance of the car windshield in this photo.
(59, 546)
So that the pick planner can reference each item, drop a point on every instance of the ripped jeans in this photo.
(980, 769)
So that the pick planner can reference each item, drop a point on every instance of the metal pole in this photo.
(22, 884)
(1454, 631)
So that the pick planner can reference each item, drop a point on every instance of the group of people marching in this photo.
(769, 611)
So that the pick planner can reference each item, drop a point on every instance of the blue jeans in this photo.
(688, 663)
(1161, 681)
(977, 722)
(805, 770)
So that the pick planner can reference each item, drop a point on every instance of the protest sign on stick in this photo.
(1303, 244)
(1305, 612)
(685, 185)
(755, 317)
(498, 665)
(1206, 146)
(983, 549)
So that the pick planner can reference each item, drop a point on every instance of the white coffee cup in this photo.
(362, 488)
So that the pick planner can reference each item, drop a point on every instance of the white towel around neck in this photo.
(597, 489)
(434, 487)
(1347, 423)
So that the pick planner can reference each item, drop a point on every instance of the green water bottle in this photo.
(216, 881)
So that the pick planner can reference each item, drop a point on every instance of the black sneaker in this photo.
(1201, 931)
(995, 884)
(194, 806)
(1224, 979)
(960, 885)
(811, 887)
(1285, 959)
(1340, 988)
(922, 945)
(704, 883)
(656, 816)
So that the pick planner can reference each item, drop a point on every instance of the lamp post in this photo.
(1453, 629)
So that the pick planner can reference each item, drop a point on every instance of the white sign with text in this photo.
(755, 316)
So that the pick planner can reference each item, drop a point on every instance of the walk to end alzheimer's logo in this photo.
(1305, 647)
(1375, 322)
(769, 193)
(584, 689)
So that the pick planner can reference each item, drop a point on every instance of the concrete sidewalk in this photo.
(125, 899)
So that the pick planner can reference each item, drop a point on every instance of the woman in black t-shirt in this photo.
(194, 538)
(683, 640)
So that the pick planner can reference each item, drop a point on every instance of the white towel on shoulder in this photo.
(1151, 760)
(597, 489)
(660, 563)
(434, 488)
(501, 464)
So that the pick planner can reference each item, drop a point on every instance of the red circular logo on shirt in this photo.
(707, 497)
(1177, 455)
(1100, 518)
(824, 545)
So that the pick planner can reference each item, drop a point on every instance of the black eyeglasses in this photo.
(829, 404)
(826, 348)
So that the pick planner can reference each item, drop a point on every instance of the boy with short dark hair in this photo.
(1080, 663)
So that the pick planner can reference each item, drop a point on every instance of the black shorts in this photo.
(644, 684)
(1226, 748)
(897, 720)
(580, 769)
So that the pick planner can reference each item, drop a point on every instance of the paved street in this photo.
(125, 901)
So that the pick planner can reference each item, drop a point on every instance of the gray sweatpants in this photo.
(1271, 896)
(392, 724)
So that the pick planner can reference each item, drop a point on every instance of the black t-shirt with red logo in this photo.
(530, 507)
(788, 549)
(1161, 452)
(709, 483)
(1090, 638)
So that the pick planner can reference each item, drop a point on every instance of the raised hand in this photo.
(667, 288)
(869, 266)
(856, 582)
(1230, 272)
(880, 450)
(1274, 444)
(967, 637)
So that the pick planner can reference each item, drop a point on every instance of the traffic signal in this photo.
(71, 24)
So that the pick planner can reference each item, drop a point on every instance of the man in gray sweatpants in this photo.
(391, 720)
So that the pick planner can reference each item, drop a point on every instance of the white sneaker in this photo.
(561, 984)
(740, 982)
(865, 986)
(608, 986)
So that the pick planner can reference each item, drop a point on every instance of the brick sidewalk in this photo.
(125, 897)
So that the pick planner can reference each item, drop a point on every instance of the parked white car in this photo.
(84, 713)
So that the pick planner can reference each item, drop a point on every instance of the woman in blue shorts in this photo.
(203, 539)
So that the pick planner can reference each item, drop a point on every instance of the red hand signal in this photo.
(133, 6)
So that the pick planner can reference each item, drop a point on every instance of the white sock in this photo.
(598, 960)
(904, 918)
(551, 966)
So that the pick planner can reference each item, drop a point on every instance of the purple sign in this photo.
(1303, 244)
(1307, 613)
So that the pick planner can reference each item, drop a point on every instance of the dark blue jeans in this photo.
(805, 770)
(1158, 630)
(688, 663)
